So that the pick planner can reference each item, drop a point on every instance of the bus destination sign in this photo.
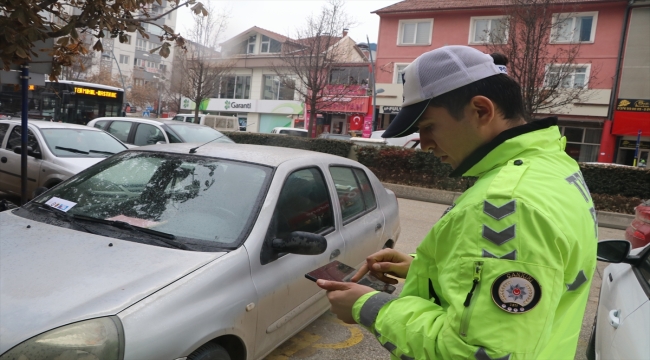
(95, 92)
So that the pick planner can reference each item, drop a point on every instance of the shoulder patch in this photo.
(516, 292)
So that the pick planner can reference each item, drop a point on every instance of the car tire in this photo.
(210, 351)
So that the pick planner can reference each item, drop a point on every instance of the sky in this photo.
(284, 16)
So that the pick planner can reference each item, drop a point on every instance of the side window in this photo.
(14, 140)
(3, 132)
(366, 189)
(120, 129)
(348, 191)
(147, 134)
(173, 138)
(304, 204)
(101, 124)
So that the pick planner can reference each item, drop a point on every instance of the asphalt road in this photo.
(328, 338)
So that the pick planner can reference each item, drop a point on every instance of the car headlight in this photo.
(96, 339)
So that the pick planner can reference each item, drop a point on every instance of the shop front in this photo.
(344, 111)
(254, 115)
(631, 126)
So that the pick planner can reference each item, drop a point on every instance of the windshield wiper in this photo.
(64, 216)
(72, 150)
(102, 152)
(167, 238)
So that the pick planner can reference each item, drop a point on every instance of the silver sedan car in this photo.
(175, 252)
(56, 151)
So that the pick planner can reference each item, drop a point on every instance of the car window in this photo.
(348, 191)
(304, 204)
(3, 132)
(80, 143)
(204, 202)
(294, 132)
(177, 118)
(644, 268)
(101, 124)
(147, 134)
(120, 129)
(199, 134)
(366, 189)
(14, 140)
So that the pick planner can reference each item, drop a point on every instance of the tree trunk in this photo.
(312, 117)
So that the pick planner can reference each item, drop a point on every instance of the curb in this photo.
(606, 219)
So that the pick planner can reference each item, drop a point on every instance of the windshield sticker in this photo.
(136, 222)
(58, 203)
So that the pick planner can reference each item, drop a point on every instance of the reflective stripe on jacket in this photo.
(505, 273)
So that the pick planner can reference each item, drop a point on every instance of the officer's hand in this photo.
(342, 296)
(386, 261)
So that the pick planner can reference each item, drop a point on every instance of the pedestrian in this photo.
(505, 273)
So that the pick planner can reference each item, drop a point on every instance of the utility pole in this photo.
(374, 88)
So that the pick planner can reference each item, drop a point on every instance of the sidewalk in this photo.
(605, 218)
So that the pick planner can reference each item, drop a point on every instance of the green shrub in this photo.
(617, 180)
(334, 147)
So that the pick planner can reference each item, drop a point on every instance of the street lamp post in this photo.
(121, 79)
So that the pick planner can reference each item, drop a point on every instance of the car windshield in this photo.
(198, 134)
(77, 143)
(205, 203)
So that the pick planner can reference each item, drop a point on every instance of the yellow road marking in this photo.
(356, 336)
(300, 341)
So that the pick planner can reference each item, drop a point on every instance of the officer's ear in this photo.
(482, 110)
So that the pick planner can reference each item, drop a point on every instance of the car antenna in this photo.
(193, 150)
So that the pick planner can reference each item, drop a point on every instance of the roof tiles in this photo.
(432, 5)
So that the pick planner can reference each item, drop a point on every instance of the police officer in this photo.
(505, 273)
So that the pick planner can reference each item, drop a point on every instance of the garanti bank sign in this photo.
(246, 106)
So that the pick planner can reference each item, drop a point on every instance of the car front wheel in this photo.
(209, 351)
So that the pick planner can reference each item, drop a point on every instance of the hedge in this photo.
(613, 188)
(334, 147)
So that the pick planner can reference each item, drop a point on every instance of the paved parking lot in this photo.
(328, 338)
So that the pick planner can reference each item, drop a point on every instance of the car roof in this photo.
(289, 128)
(42, 124)
(259, 154)
(144, 121)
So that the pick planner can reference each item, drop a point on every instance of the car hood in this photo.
(76, 165)
(52, 276)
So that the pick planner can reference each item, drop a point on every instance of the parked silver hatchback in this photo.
(173, 251)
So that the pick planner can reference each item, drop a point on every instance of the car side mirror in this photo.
(613, 251)
(30, 151)
(302, 243)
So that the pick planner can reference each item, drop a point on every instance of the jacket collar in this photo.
(505, 146)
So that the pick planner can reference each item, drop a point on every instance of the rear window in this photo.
(198, 134)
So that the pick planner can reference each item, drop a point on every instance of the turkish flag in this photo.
(356, 122)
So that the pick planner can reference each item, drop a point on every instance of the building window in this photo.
(235, 87)
(163, 68)
(141, 45)
(415, 32)
(139, 62)
(128, 39)
(488, 29)
(574, 27)
(138, 82)
(566, 76)
(349, 76)
(251, 44)
(152, 45)
(124, 59)
(582, 143)
(273, 89)
(399, 70)
(269, 45)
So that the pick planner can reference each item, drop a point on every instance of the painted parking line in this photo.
(307, 343)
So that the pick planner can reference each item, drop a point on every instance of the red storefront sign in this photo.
(345, 90)
(630, 122)
(353, 105)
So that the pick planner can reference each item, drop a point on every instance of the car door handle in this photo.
(3, 159)
(378, 227)
(614, 320)
(335, 254)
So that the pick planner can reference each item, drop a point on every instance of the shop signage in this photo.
(633, 105)
(280, 107)
(247, 105)
(95, 92)
(390, 109)
(355, 105)
(632, 144)
(235, 105)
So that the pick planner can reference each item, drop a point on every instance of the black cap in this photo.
(405, 123)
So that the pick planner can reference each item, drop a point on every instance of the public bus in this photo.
(64, 101)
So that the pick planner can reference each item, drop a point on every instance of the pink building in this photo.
(412, 27)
